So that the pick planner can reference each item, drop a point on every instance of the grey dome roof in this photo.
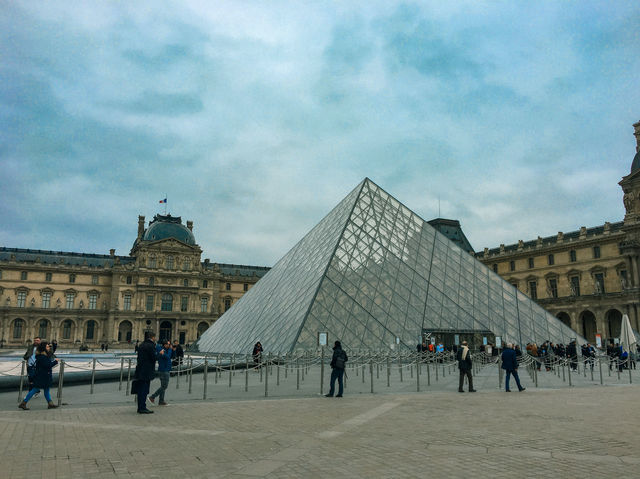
(163, 227)
(635, 166)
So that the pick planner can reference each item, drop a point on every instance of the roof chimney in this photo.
(140, 226)
(636, 127)
(190, 225)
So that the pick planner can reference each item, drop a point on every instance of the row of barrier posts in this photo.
(562, 367)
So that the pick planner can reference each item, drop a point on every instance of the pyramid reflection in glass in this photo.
(370, 274)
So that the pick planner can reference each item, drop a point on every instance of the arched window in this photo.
(124, 331)
(167, 302)
(202, 327)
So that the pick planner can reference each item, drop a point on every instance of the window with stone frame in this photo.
(228, 286)
(204, 305)
(184, 303)
(551, 260)
(43, 326)
(46, 299)
(512, 265)
(227, 304)
(47, 277)
(70, 300)
(553, 287)
(169, 262)
(150, 301)
(205, 283)
(129, 280)
(573, 257)
(152, 281)
(533, 289)
(22, 299)
(127, 302)
(596, 252)
(186, 265)
(153, 262)
(531, 263)
(167, 302)
(23, 275)
(94, 279)
(72, 278)
(66, 329)
(91, 326)
(93, 301)
(17, 328)
(245, 287)
(185, 283)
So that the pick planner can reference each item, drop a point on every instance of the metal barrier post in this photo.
(260, 368)
(418, 376)
(400, 366)
(388, 371)
(204, 378)
(231, 369)
(428, 374)
(298, 373)
(93, 375)
(266, 378)
(371, 373)
(278, 371)
(21, 380)
(629, 366)
(569, 373)
(321, 371)
(121, 373)
(618, 364)
(435, 366)
(600, 365)
(60, 382)
(190, 373)
(535, 374)
(563, 373)
(246, 372)
(128, 377)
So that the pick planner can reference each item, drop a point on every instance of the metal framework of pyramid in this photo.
(375, 275)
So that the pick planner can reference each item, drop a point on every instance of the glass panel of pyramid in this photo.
(375, 275)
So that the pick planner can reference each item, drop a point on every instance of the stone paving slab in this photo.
(586, 431)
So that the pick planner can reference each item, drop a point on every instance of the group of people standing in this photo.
(509, 364)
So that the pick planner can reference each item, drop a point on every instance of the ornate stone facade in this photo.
(79, 298)
(588, 278)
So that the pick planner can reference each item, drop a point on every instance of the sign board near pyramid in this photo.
(375, 275)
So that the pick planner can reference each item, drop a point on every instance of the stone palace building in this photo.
(589, 277)
(90, 299)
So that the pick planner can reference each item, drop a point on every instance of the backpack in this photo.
(341, 359)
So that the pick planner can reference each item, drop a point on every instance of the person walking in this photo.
(464, 365)
(338, 363)
(257, 354)
(163, 355)
(30, 358)
(510, 365)
(178, 353)
(43, 377)
(145, 371)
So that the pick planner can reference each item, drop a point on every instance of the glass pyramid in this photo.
(374, 275)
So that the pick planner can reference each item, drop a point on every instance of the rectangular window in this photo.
(17, 329)
(127, 302)
(599, 283)
(129, 280)
(22, 299)
(550, 260)
(204, 305)
(72, 278)
(185, 283)
(169, 262)
(149, 302)
(186, 265)
(94, 279)
(623, 278)
(152, 281)
(531, 263)
(572, 256)
(66, 330)
(93, 301)
(575, 285)
(90, 329)
(167, 302)
(70, 300)
(227, 304)
(553, 288)
(153, 263)
(533, 290)
(495, 268)
(23, 275)
(46, 300)
(47, 276)
(228, 286)
(512, 265)
(245, 287)
(184, 303)
(205, 284)
(596, 252)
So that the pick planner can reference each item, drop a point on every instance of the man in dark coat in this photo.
(338, 363)
(465, 365)
(145, 371)
(510, 365)
(178, 353)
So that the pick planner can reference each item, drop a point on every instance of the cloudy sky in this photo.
(256, 118)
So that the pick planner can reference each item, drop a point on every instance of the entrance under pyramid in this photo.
(376, 276)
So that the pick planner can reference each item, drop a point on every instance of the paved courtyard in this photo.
(555, 430)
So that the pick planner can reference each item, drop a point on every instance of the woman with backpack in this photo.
(43, 377)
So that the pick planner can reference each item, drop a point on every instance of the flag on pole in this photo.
(163, 201)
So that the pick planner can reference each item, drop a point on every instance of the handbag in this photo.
(134, 386)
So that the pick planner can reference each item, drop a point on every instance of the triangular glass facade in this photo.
(373, 273)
